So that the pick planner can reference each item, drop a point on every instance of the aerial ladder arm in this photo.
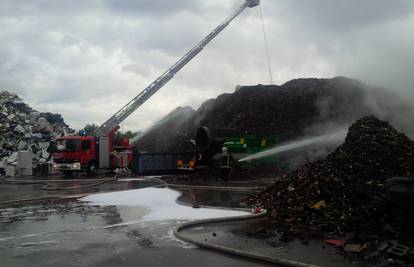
(151, 89)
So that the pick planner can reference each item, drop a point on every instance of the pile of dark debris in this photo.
(297, 108)
(349, 196)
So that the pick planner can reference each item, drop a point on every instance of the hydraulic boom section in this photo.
(140, 99)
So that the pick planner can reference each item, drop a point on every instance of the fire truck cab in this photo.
(76, 153)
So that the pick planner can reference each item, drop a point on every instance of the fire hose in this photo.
(234, 251)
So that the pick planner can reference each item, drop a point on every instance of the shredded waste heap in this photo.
(297, 108)
(22, 128)
(343, 192)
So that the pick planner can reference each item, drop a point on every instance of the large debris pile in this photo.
(22, 128)
(343, 192)
(172, 127)
(290, 110)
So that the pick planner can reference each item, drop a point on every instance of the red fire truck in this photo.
(89, 153)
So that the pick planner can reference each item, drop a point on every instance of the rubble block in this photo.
(12, 158)
(45, 154)
(37, 136)
(43, 123)
(34, 148)
(22, 145)
(43, 145)
(25, 162)
(24, 159)
(11, 117)
(10, 171)
(21, 115)
(36, 157)
(19, 129)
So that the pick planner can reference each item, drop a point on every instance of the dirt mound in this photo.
(168, 132)
(296, 108)
(343, 192)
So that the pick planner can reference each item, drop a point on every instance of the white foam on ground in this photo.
(160, 203)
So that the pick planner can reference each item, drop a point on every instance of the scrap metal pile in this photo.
(22, 128)
(344, 192)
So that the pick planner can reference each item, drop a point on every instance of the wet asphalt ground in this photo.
(77, 235)
(242, 235)
(71, 233)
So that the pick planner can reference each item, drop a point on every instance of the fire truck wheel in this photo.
(92, 168)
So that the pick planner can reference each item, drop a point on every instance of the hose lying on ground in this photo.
(225, 188)
(49, 187)
(234, 251)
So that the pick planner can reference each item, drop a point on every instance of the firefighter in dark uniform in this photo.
(225, 164)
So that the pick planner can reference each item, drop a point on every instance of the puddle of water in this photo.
(215, 198)
(14, 191)
(160, 203)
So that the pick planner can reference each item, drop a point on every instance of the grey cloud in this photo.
(342, 15)
(151, 7)
(86, 59)
(11, 8)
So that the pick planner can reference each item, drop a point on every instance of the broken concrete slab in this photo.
(22, 145)
(10, 117)
(45, 154)
(12, 158)
(19, 129)
(43, 145)
(10, 171)
(37, 136)
(42, 123)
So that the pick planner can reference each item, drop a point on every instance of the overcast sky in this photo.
(86, 59)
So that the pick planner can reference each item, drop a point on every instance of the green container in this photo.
(251, 144)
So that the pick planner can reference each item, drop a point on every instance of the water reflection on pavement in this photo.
(87, 234)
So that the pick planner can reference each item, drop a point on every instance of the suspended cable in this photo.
(269, 66)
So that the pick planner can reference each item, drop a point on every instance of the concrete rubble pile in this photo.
(343, 192)
(25, 129)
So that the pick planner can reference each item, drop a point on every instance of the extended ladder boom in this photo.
(136, 102)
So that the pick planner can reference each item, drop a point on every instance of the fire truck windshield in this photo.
(68, 145)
